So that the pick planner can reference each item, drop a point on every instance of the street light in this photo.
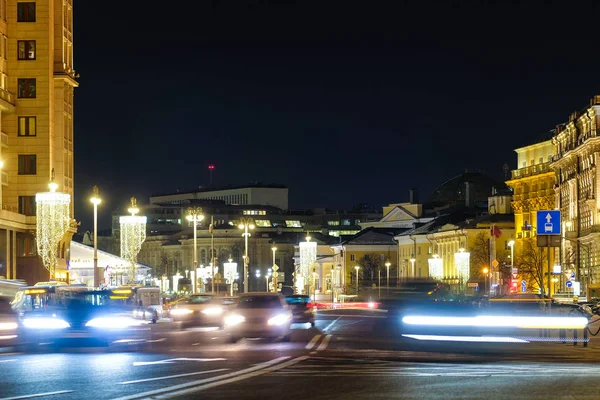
(485, 272)
(357, 268)
(95, 201)
(267, 276)
(412, 262)
(257, 278)
(246, 224)
(387, 266)
(195, 215)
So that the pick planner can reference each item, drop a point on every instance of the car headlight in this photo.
(45, 323)
(234, 319)
(212, 311)
(111, 322)
(280, 319)
(181, 311)
(8, 326)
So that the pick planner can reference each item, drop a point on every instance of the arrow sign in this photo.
(548, 222)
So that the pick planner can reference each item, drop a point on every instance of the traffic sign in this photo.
(523, 285)
(472, 284)
(572, 275)
(548, 222)
(515, 272)
(495, 263)
(569, 283)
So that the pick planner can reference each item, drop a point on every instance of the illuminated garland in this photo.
(133, 234)
(53, 221)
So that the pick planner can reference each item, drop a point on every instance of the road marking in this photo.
(29, 396)
(248, 372)
(12, 359)
(172, 360)
(324, 343)
(174, 376)
(312, 342)
(232, 379)
(331, 324)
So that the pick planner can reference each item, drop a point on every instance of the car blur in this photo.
(259, 315)
(85, 318)
(199, 309)
(8, 323)
(303, 310)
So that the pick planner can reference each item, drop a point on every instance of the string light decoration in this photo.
(53, 220)
(133, 234)
(308, 256)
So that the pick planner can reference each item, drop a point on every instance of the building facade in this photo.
(533, 184)
(37, 81)
(576, 166)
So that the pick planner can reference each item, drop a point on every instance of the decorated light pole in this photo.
(246, 224)
(53, 221)
(195, 215)
(275, 268)
(230, 271)
(95, 201)
(133, 234)
(308, 256)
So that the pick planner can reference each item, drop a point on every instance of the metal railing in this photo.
(531, 170)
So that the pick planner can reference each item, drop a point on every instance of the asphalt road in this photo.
(348, 355)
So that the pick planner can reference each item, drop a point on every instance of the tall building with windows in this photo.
(37, 81)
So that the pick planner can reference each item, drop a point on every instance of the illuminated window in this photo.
(27, 205)
(26, 12)
(352, 257)
(26, 49)
(27, 126)
(293, 224)
(263, 223)
(26, 88)
(333, 223)
(25, 246)
(27, 164)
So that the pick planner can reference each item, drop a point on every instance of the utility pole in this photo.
(212, 250)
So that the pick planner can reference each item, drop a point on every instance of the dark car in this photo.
(302, 308)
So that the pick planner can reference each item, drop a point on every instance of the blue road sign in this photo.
(572, 275)
(524, 286)
(548, 222)
(569, 283)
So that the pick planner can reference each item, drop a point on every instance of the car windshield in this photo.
(297, 300)
(260, 302)
(199, 299)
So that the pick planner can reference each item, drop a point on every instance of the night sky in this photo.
(344, 102)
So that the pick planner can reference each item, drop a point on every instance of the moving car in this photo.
(84, 318)
(201, 309)
(302, 309)
(264, 315)
(8, 323)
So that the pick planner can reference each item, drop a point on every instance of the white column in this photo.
(14, 254)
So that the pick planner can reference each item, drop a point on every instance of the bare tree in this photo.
(532, 263)
(371, 263)
(480, 255)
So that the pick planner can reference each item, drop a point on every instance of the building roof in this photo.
(202, 189)
(383, 236)
(453, 191)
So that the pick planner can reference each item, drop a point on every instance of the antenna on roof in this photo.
(211, 167)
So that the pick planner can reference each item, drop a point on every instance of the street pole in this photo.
(212, 250)
(387, 266)
(95, 201)
(246, 258)
(379, 281)
(195, 215)
(195, 251)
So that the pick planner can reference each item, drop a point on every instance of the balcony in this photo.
(531, 170)
(7, 100)
(4, 178)
(4, 139)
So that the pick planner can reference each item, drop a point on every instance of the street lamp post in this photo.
(246, 224)
(387, 266)
(195, 215)
(357, 268)
(267, 276)
(485, 273)
(95, 201)
(257, 278)
(512, 253)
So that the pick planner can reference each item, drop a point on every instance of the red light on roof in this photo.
(211, 166)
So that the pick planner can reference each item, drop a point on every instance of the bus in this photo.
(43, 298)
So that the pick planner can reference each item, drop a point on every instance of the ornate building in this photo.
(576, 165)
(533, 187)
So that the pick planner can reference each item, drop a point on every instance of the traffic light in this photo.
(513, 286)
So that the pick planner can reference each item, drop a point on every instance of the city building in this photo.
(267, 195)
(576, 165)
(37, 81)
(533, 185)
